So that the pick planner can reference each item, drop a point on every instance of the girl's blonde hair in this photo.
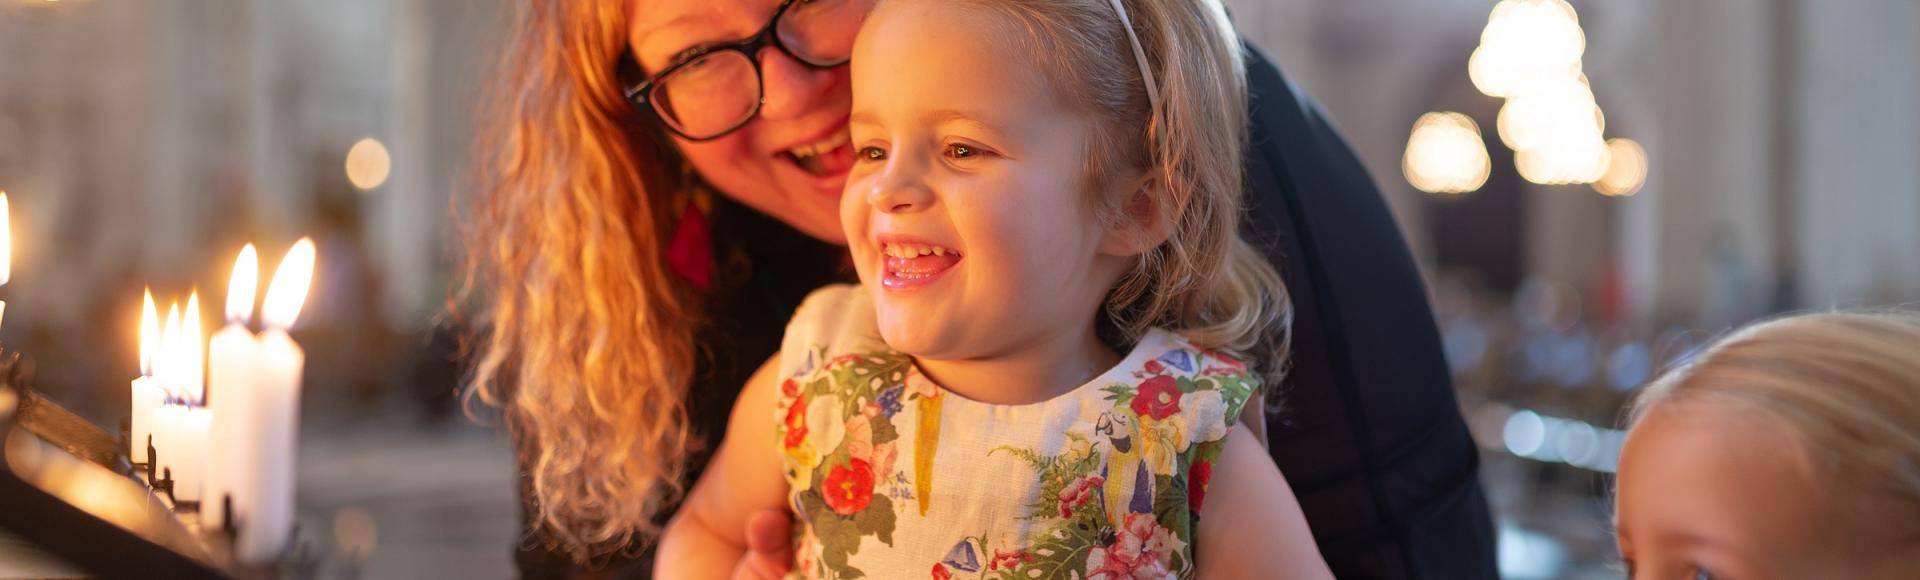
(587, 339)
(1205, 280)
(1846, 384)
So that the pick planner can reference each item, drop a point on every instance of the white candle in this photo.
(166, 375)
(185, 428)
(267, 524)
(229, 373)
(188, 423)
(147, 393)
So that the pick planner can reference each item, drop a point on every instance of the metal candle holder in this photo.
(93, 506)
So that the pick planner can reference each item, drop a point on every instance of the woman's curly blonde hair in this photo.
(586, 338)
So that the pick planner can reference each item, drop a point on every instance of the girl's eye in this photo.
(1701, 573)
(871, 153)
(963, 151)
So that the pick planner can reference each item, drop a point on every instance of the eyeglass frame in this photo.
(639, 95)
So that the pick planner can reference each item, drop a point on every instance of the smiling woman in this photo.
(592, 336)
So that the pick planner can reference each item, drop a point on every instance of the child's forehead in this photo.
(968, 47)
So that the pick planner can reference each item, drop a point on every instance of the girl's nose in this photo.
(899, 190)
(791, 89)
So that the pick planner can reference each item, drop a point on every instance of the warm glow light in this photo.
(244, 286)
(1446, 154)
(149, 334)
(1550, 112)
(368, 164)
(1567, 163)
(193, 352)
(166, 362)
(1626, 168)
(6, 240)
(289, 288)
(1526, 40)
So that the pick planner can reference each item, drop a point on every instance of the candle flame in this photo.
(149, 334)
(193, 352)
(289, 288)
(165, 366)
(241, 290)
(6, 240)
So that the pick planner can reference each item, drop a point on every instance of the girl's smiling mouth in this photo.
(912, 264)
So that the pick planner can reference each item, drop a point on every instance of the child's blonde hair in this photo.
(1846, 384)
(1204, 281)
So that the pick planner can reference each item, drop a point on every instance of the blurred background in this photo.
(1592, 189)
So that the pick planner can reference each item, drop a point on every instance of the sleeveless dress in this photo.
(891, 476)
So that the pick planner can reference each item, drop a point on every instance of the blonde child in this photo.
(1790, 449)
(1058, 329)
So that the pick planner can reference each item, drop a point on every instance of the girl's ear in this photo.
(1145, 220)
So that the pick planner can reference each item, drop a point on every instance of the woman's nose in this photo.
(791, 89)
(899, 190)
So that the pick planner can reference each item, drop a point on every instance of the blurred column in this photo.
(1705, 210)
(406, 217)
(1856, 195)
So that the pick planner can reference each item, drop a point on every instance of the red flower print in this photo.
(1008, 560)
(849, 488)
(1078, 493)
(1158, 398)
(940, 572)
(1197, 478)
(796, 424)
(789, 389)
(1153, 367)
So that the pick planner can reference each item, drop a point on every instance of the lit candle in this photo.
(6, 247)
(186, 422)
(230, 396)
(267, 524)
(164, 375)
(147, 394)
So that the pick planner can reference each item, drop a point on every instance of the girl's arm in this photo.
(708, 536)
(1250, 524)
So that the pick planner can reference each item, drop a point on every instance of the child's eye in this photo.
(871, 153)
(1702, 573)
(964, 151)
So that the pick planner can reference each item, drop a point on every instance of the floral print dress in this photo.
(891, 476)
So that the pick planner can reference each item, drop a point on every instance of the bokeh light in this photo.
(1526, 40)
(1530, 54)
(1446, 154)
(368, 164)
(1626, 168)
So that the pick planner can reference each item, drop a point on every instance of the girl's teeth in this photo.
(914, 250)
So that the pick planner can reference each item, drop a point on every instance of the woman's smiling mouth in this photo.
(911, 265)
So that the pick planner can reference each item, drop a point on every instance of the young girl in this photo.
(1058, 330)
(1790, 449)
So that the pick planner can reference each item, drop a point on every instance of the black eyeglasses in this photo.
(716, 89)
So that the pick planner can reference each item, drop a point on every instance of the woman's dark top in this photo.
(1369, 435)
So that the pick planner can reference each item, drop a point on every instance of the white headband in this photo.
(1140, 56)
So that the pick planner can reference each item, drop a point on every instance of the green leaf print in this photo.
(877, 519)
(1061, 553)
(884, 431)
(1038, 461)
(1170, 505)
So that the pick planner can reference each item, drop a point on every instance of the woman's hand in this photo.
(769, 547)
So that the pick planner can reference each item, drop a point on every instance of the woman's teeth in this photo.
(821, 146)
(914, 250)
(812, 157)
